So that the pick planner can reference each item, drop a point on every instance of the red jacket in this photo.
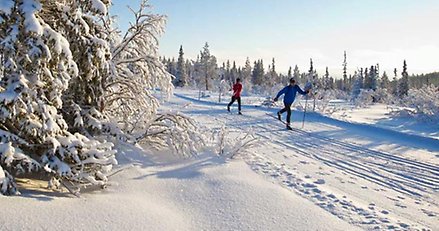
(237, 88)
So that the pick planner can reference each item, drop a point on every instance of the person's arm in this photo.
(234, 88)
(239, 88)
(301, 91)
(281, 92)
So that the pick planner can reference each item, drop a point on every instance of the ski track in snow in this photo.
(409, 178)
(402, 175)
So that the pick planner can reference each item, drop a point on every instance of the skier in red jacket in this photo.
(237, 88)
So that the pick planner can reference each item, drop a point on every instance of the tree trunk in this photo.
(207, 83)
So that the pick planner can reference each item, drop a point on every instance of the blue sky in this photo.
(292, 31)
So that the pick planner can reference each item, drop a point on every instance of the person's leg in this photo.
(279, 113)
(288, 107)
(231, 102)
(239, 103)
(279, 116)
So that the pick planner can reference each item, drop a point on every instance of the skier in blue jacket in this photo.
(290, 92)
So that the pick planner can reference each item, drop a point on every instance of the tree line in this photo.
(206, 73)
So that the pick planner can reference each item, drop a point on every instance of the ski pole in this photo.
(304, 111)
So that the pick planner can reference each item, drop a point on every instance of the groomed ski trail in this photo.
(407, 177)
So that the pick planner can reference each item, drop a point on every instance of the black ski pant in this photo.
(233, 100)
(287, 109)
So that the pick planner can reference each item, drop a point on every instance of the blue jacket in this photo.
(290, 93)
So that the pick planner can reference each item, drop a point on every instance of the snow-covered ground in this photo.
(367, 175)
(384, 116)
(201, 194)
(333, 175)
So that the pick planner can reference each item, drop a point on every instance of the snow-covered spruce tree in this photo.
(403, 83)
(327, 80)
(82, 24)
(366, 79)
(234, 72)
(34, 137)
(357, 85)
(208, 67)
(394, 83)
(273, 76)
(344, 86)
(385, 83)
(171, 66)
(228, 72)
(296, 74)
(372, 78)
(189, 71)
(258, 73)
(247, 76)
(312, 78)
(181, 78)
(290, 73)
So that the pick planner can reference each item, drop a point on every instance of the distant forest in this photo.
(206, 73)
(417, 81)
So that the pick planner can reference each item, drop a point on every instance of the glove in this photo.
(275, 99)
(307, 91)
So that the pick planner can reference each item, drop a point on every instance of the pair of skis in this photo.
(275, 117)
(231, 113)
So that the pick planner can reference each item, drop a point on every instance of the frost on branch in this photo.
(176, 133)
(231, 146)
(136, 71)
(7, 183)
(181, 135)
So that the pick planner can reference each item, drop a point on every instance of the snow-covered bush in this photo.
(382, 96)
(364, 98)
(181, 135)
(223, 88)
(324, 99)
(229, 146)
(424, 101)
(38, 66)
(367, 97)
(175, 133)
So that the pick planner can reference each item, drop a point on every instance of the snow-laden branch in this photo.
(174, 132)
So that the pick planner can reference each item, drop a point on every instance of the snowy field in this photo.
(381, 115)
(335, 174)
